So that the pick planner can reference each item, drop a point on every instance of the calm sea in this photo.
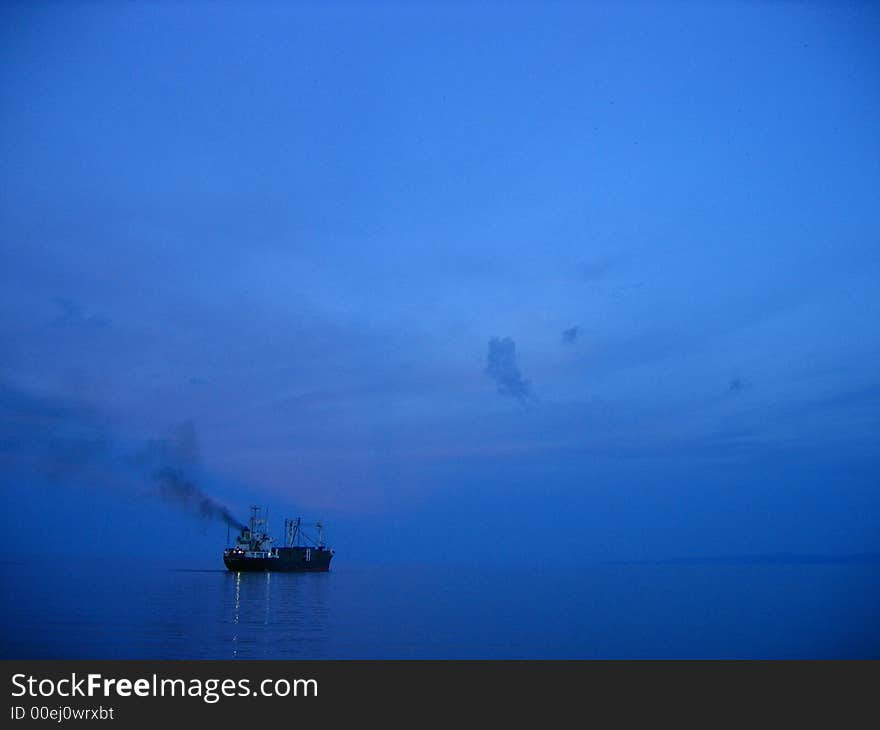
(71, 608)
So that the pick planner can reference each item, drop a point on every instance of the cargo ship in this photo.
(254, 549)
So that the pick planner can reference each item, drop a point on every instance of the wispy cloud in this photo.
(71, 314)
(597, 269)
(502, 367)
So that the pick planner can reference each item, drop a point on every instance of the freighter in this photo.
(254, 549)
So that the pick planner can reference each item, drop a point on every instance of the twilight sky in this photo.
(446, 275)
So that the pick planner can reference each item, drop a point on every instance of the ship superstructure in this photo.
(255, 550)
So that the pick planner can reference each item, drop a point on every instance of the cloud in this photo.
(570, 335)
(72, 315)
(501, 366)
(597, 269)
(52, 437)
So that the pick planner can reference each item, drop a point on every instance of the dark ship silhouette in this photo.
(254, 549)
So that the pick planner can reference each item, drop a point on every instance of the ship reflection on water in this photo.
(277, 615)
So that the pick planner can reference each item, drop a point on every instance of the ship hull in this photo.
(289, 560)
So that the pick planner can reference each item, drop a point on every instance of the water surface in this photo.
(111, 609)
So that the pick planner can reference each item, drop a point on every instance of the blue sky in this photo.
(299, 228)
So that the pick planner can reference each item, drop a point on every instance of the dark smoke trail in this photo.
(171, 462)
(66, 441)
(174, 486)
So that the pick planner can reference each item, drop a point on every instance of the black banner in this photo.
(234, 694)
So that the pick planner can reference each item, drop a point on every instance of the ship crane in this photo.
(294, 535)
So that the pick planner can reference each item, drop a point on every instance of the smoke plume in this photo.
(68, 442)
(173, 464)
(175, 487)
